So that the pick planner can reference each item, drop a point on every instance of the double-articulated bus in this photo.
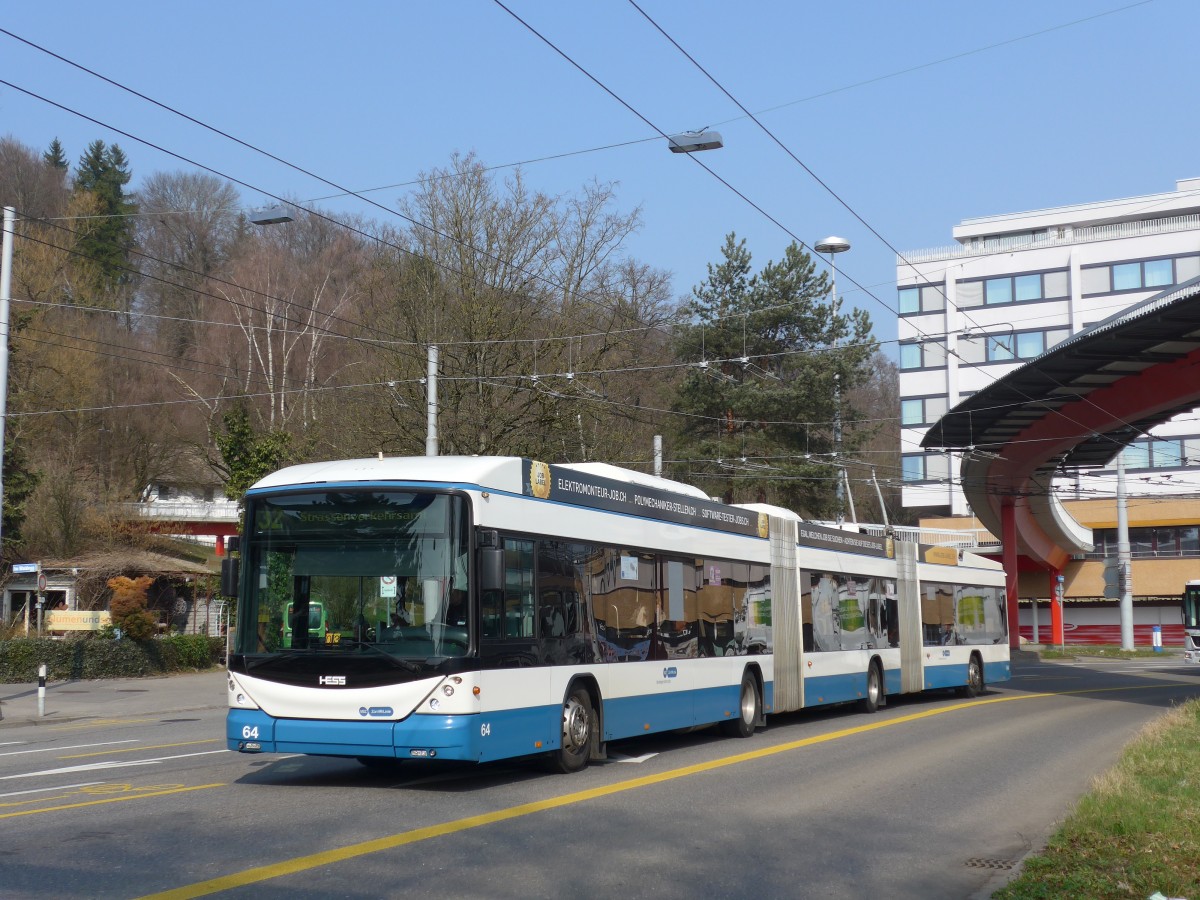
(484, 608)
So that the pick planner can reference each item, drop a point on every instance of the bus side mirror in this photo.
(231, 570)
(491, 569)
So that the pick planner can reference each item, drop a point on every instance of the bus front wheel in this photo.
(578, 728)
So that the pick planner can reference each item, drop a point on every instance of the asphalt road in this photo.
(124, 790)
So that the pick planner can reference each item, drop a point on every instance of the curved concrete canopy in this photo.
(1079, 404)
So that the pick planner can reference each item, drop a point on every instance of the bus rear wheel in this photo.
(578, 728)
(747, 715)
(870, 701)
(974, 685)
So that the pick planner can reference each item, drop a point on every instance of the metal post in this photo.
(1124, 565)
(6, 262)
(41, 690)
(658, 455)
(431, 409)
(837, 446)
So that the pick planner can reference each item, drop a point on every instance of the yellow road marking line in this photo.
(144, 747)
(34, 812)
(351, 851)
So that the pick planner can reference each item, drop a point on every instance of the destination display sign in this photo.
(824, 538)
(548, 482)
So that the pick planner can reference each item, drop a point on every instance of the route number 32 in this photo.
(250, 732)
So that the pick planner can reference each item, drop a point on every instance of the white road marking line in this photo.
(92, 767)
(61, 787)
(75, 747)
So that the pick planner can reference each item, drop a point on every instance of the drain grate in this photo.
(1000, 864)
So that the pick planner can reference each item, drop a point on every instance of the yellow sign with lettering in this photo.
(942, 556)
(76, 620)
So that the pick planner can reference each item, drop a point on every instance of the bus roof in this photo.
(498, 472)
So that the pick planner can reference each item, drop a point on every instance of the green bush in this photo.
(92, 657)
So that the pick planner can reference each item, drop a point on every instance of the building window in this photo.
(1095, 281)
(1013, 289)
(1160, 453)
(997, 290)
(1007, 346)
(1151, 542)
(914, 466)
(925, 467)
(922, 355)
(1158, 272)
(1000, 349)
(1138, 275)
(1030, 344)
(969, 293)
(1127, 277)
(929, 298)
(922, 410)
(1055, 284)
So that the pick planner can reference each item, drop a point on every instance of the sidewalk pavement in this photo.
(113, 698)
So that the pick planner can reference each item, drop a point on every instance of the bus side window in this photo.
(492, 603)
(518, 588)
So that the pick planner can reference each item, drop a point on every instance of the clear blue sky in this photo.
(960, 114)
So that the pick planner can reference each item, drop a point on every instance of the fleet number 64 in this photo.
(250, 732)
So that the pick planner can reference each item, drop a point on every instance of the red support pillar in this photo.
(1056, 609)
(220, 544)
(1008, 541)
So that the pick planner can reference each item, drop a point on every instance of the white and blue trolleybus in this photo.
(484, 608)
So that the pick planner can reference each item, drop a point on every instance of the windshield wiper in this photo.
(367, 645)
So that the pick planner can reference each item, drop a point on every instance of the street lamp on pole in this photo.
(834, 245)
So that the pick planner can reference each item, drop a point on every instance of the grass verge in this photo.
(1106, 651)
(1137, 831)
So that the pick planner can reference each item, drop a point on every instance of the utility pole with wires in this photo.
(6, 262)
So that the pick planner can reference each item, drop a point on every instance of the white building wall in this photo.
(1051, 263)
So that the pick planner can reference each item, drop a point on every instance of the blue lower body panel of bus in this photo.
(417, 737)
(481, 737)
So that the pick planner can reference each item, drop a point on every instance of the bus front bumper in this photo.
(416, 737)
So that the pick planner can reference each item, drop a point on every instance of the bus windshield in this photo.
(346, 571)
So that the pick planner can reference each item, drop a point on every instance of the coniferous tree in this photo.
(107, 239)
(761, 395)
(55, 156)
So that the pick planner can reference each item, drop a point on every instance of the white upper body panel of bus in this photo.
(501, 473)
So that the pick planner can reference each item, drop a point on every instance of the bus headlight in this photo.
(435, 703)
(448, 690)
